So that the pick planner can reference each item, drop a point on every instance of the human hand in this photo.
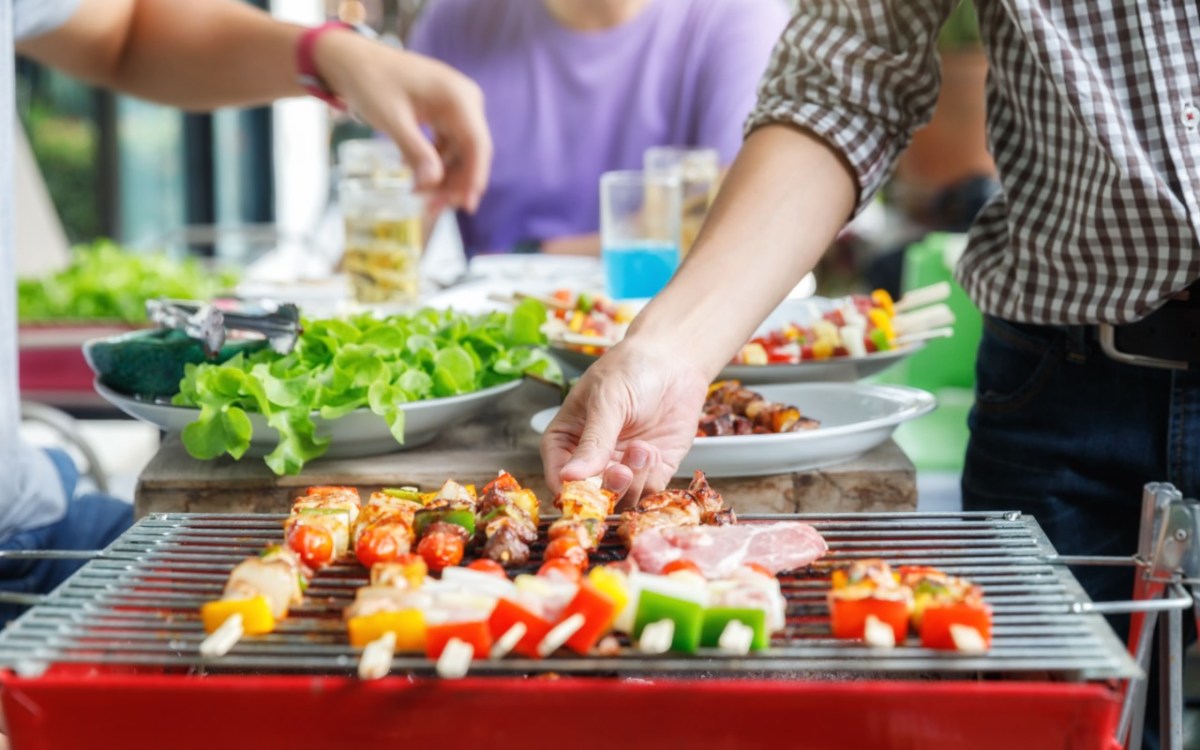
(631, 418)
(396, 92)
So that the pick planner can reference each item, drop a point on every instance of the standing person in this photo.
(1094, 122)
(199, 54)
(576, 88)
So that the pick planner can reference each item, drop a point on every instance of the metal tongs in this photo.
(278, 323)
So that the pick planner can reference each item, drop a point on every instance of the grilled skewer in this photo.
(507, 520)
(698, 504)
(731, 409)
(257, 595)
(585, 506)
(320, 524)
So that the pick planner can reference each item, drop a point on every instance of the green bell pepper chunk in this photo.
(463, 517)
(880, 340)
(584, 302)
(687, 616)
(403, 493)
(717, 618)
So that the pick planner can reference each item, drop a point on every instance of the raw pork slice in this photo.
(720, 550)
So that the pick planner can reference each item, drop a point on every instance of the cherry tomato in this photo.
(686, 565)
(567, 548)
(312, 543)
(383, 542)
(484, 565)
(561, 569)
(441, 550)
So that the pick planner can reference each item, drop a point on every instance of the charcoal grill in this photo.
(126, 628)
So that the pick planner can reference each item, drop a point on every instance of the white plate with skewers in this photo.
(920, 315)
(854, 419)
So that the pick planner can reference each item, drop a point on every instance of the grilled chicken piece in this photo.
(586, 499)
(276, 579)
(634, 522)
(698, 504)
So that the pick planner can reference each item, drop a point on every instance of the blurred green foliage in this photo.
(65, 150)
(103, 282)
(961, 31)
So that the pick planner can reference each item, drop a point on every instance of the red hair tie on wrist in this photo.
(306, 66)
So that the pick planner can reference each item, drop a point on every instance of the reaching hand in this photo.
(631, 418)
(397, 92)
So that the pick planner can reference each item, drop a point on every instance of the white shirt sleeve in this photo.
(35, 17)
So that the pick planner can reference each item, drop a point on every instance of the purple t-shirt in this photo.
(566, 106)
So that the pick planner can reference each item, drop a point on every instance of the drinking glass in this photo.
(639, 232)
(383, 239)
(699, 174)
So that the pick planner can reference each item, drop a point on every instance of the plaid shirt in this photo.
(1092, 115)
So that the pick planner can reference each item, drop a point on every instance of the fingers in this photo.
(418, 151)
(641, 458)
(469, 146)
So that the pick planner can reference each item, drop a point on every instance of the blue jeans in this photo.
(92, 521)
(1064, 433)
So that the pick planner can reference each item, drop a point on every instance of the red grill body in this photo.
(155, 712)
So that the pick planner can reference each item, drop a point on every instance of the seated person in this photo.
(575, 88)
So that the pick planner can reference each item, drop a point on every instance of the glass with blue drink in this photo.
(639, 232)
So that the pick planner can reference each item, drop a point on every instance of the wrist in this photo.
(316, 51)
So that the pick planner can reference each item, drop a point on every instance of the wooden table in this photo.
(173, 482)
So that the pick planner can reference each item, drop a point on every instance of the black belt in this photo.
(1169, 337)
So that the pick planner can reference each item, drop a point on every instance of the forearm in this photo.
(196, 55)
(783, 202)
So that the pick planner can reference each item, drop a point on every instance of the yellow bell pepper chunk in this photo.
(822, 349)
(624, 313)
(754, 354)
(880, 320)
(576, 324)
(883, 299)
(255, 611)
(407, 624)
(611, 584)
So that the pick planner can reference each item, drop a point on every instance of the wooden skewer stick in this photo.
(934, 316)
(560, 634)
(455, 660)
(878, 633)
(579, 339)
(507, 642)
(656, 637)
(376, 659)
(932, 333)
(224, 638)
(736, 638)
(926, 295)
(515, 297)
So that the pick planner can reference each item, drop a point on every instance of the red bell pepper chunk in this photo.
(473, 632)
(598, 610)
(936, 622)
(848, 617)
(508, 613)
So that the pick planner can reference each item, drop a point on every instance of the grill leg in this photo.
(1133, 711)
(1170, 676)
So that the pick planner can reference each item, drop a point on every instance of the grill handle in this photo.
(50, 554)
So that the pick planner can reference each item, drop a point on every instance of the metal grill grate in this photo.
(137, 605)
